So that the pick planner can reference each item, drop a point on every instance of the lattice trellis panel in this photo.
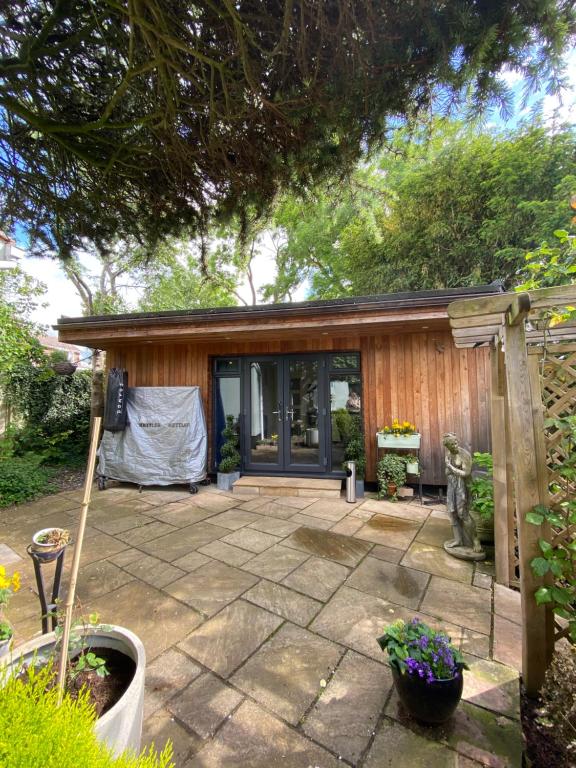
(558, 388)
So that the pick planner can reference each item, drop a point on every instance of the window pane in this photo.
(227, 402)
(346, 416)
(265, 412)
(350, 360)
(303, 412)
(227, 366)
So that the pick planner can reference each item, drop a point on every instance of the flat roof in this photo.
(385, 301)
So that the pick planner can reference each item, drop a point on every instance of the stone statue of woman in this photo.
(458, 462)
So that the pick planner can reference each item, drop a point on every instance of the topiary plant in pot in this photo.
(391, 474)
(228, 471)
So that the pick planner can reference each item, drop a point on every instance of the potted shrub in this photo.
(40, 731)
(412, 466)
(228, 468)
(95, 652)
(49, 542)
(481, 489)
(391, 474)
(426, 668)
(8, 585)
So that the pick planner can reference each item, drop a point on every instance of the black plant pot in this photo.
(430, 703)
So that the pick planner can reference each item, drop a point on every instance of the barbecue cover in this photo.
(164, 442)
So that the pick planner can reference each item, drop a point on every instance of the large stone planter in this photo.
(225, 480)
(121, 727)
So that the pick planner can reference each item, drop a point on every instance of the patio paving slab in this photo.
(387, 553)
(308, 521)
(113, 526)
(317, 578)
(493, 686)
(285, 673)
(211, 587)
(168, 674)
(159, 496)
(475, 643)
(205, 704)
(348, 526)
(191, 561)
(282, 509)
(459, 603)
(8, 557)
(233, 519)
(157, 573)
(507, 642)
(215, 502)
(435, 531)
(473, 731)
(251, 539)
(397, 747)
(328, 509)
(163, 726)
(390, 531)
(276, 563)
(415, 512)
(219, 645)
(482, 580)
(400, 585)
(182, 515)
(333, 546)
(507, 603)
(137, 536)
(284, 602)
(219, 550)
(97, 546)
(274, 525)
(180, 542)
(159, 620)
(436, 561)
(345, 716)
(96, 579)
(252, 737)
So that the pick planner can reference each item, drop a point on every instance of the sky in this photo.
(61, 298)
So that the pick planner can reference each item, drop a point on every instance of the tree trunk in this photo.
(97, 397)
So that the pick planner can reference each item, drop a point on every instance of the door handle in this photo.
(278, 412)
(289, 413)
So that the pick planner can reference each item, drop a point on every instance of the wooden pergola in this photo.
(533, 379)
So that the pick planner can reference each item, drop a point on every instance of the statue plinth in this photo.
(464, 553)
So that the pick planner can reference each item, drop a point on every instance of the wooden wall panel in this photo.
(421, 377)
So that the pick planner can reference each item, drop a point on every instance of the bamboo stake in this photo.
(77, 553)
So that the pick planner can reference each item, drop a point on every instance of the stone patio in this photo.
(259, 616)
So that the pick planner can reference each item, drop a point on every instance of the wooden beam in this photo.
(558, 295)
(519, 308)
(498, 431)
(527, 495)
(475, 320)
(478, 307)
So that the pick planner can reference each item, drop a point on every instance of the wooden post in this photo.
(527, 495)
(498, 431)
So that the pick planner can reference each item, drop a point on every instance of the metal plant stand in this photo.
(48, 608)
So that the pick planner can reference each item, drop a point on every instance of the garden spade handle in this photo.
(77, 552)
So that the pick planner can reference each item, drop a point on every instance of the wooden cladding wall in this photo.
(421, 377)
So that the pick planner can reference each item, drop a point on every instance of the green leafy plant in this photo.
(37, 733)
(6, 631)
(390, 470)
(557, 556)
(91, 662)
(481, 488)
(415, 649)
(22, 478)
(355, 451)
(229, 450)
(80, 657)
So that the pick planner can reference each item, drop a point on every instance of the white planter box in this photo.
(398, 441)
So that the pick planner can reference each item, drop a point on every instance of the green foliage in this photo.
(444, 205)
(355, 451)
(414, 648)
(481, 487)
(557, 559)
(37, 733)
(19, 295)
(22, 478)
(352, 435)
(391, 469)
(55, 410)
(229, 449)
(6, 631)
(558, 699)
(153, 116)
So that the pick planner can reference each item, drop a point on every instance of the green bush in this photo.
(22, 478)
(37, 733)
(355, 451)
(482, 488)
(55, 411)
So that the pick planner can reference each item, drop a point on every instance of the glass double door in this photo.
(285, 414)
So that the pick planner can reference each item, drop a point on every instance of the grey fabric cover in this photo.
(165, 441)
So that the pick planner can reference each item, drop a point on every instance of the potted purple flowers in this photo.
(426, 668)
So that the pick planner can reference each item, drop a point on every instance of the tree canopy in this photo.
(19, 294)
(157, 114)
(454, 206)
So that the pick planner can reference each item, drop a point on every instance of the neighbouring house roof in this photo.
(52, 342)
(368, 314)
